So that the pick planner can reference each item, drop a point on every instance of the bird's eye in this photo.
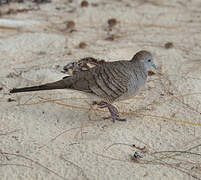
(149, 60)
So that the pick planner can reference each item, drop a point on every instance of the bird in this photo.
(110, 81)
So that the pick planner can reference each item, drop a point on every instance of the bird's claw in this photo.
(114, 118)
(113, 111)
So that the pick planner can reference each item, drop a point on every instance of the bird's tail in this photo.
(61, 84)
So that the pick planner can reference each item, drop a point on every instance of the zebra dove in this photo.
(110, 81)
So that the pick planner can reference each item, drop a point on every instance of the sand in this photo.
(44, 140)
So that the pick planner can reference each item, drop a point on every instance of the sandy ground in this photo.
(45, 140)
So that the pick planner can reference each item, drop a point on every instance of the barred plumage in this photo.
(109, 81)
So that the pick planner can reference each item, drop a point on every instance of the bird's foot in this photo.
(114, 113)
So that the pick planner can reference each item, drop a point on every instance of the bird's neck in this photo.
(141, 68)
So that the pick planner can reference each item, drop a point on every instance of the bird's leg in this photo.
(114, 113)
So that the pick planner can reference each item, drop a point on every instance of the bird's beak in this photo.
(154, 66)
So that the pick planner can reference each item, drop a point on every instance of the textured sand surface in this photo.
(45, 140)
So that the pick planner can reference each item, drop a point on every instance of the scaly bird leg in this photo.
(114, 113)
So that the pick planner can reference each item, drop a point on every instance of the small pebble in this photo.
(168, 45)
(82, 45)
(84, 3)
(42, 53)
(69, 53)
(15, 137)
(138, 155)
(112, 22)
(151, 73)
(70, 24)
(94, 4)
(57, 66)
(11, 100)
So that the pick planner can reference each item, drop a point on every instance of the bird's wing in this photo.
(108, 81)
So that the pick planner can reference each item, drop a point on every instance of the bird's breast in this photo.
(135, 83)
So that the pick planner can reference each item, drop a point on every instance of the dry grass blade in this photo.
(127, 113)
(180, 164)
(177, 153)
(60, 134)
(19, 165)
(35, 162)
(179, 96)
(10, 132)
(79, 168)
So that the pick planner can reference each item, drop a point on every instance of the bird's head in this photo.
(144, 58)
